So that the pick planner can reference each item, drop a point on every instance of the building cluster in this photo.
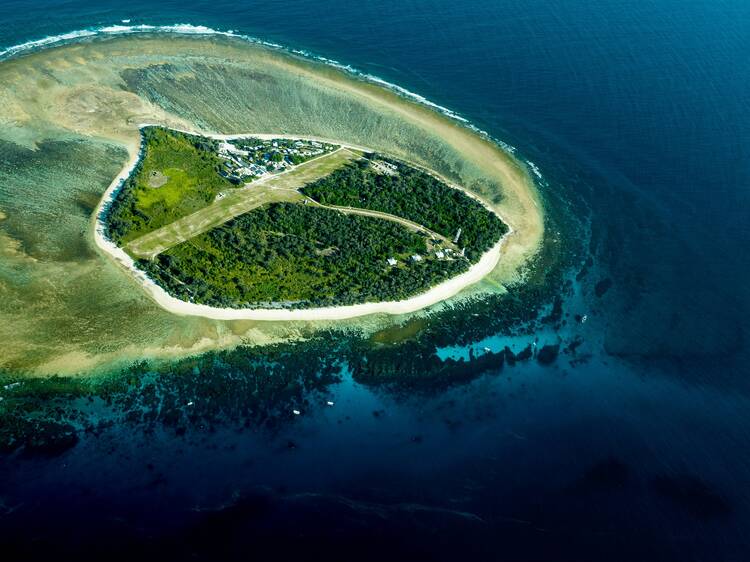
(441, 254)
(251, 158)
(383, 167)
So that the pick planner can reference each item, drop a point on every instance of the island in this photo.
(271, 226)
(74, 301)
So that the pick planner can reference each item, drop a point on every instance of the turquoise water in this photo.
(634, 448)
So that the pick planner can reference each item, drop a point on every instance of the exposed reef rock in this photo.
(548, 353)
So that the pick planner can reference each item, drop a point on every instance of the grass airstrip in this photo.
(281, 188)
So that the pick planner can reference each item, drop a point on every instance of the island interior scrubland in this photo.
(71, 118)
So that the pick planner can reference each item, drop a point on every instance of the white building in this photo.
(416, 257)
(228, 148)
(392, 261)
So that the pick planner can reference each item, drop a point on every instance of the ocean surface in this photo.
(639, 450)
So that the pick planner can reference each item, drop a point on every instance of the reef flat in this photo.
(69, 120)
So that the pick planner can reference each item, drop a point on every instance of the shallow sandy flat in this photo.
(67, 113)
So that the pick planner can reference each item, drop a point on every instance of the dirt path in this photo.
(411, 225)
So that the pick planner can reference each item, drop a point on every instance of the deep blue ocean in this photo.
(640, 453)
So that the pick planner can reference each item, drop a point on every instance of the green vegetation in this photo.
(177, 176)
(392, 187)
(275, 189)
(291, 255)
(261, 247)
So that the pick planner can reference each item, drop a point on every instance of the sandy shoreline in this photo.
(434, 295)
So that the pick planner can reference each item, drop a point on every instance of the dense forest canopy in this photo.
(299, 256)
(393, 187)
